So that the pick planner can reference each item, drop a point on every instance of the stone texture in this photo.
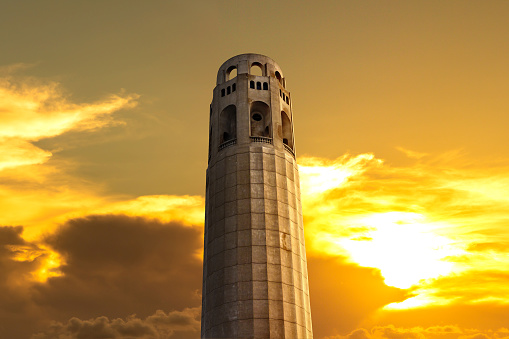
(254, 273)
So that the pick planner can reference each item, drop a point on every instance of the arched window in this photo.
(228, 90)
(256, 69)
(222, 92)
(265, 86)
(234, 87)
(231, 73)
(228, 124)
(258, 85)
(286, 125)
(260, 119)
(278, 77)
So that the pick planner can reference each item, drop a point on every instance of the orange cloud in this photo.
(114, 266)
(157, 325)
(421, 225)
(436, 228)
(189, 210)
(433, 332)
(40, 197)
(33, 110)
(39, 194)
(33, 192)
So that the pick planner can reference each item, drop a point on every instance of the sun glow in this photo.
(47, 262)
(318, 175)
(403, 246)
(49, 267)
(435, 229)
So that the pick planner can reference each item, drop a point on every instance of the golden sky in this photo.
(401, 135)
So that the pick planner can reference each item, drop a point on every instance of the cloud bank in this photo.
(112, 266)
(443, 332)
(159, 325)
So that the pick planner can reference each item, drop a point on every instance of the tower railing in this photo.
(262, 139)
(227, 144)
(289, 150)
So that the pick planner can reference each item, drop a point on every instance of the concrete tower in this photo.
(255, 282)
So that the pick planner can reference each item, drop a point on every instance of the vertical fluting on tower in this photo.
(255, 281)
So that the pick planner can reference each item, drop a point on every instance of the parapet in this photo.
(244, 63)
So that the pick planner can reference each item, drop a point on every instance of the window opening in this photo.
(256, 69)
(231, 73)
(278, 76)
(251, 84)
(260, 120)
(265, 86)
(228, 90)
(287, 101)
(258, 85)
(228, 124)
(234, 87)
(222, 92)
(286, 125)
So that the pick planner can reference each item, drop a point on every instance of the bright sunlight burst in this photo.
(403, 246)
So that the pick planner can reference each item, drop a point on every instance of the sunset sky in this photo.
(401, 127)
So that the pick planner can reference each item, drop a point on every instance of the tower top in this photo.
(243, 63)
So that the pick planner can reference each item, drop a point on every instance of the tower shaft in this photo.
(255, 282)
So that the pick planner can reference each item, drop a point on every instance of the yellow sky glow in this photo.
(404, 222)
(400, 120)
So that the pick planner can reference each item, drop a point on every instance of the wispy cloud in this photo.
(33, 191)
(31, 110)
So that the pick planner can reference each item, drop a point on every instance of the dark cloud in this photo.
(10, 235)
(419, 332)
(447, 329)
(118, 270)
(391, 332)
(486, 317)
(18, 314)
(359, 334)
(343, 294)
(157, 326)
(118, 265)
(115, 266)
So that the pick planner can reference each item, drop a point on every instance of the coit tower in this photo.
(255, 280)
